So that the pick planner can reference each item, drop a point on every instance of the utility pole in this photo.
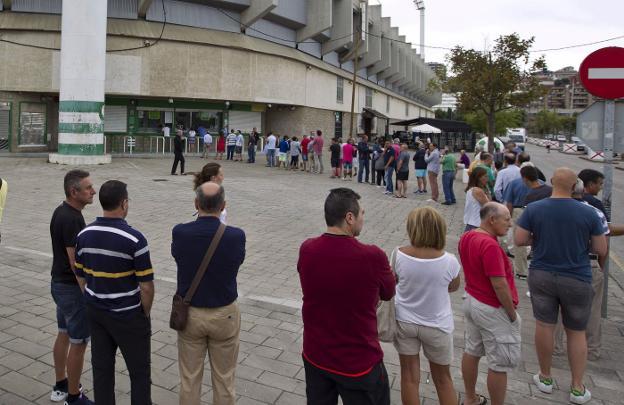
(354, 85)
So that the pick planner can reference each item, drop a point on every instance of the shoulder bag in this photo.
(180, 305)
(386, 312)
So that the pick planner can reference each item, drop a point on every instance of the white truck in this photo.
(517, 136)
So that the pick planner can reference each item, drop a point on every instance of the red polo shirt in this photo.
(342, 280)
(482, 258)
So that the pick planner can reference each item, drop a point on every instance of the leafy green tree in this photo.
(503, 120)
(547, 122)
(493, 81)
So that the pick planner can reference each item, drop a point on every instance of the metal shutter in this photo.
(115, 118)
(5, 114)
(245, 121)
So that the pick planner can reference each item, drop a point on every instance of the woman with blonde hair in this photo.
(426, 275)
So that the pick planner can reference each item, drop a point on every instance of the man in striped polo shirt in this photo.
(114, 270)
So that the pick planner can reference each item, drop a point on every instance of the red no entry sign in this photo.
(602, 73)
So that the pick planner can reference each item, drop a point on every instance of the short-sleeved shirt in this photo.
(537, 194)
(294, 148)
(304, 145)
(113, 258)
(364, 150)
(334, 148)
(166, 131)
(318, 145)
(404, 157)
(515, 193)
(347, 152)
(271, 142)
(239, 140)
(482, 258)
(419, 160)
(65, 225)
(208, 139)
(562, 229)
(389, 153)
(594, 202)
(283, 146)
(449, 163)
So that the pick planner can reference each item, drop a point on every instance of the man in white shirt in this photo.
(207, 144)
(270, 150)
(510, 173)
(166, 131)
(239, 146)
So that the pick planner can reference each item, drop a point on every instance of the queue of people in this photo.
(102, 281)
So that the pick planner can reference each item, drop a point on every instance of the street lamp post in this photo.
(420, 5)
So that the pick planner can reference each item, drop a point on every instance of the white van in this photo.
(517, 136)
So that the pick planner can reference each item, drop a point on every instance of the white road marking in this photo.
(606, 73)
(23, 250)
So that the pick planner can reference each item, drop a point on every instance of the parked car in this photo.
(580, 145)
(562, 138)
(549, 137)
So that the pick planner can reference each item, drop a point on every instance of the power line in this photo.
(579, 45)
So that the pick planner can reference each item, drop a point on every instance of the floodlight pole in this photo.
(420, 5)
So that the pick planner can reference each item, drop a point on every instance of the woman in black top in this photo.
(421, 169)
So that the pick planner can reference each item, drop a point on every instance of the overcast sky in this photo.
(477, 23)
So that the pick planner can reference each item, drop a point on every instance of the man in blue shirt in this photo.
(513, 197)
(562, 232)
(364, 152)
(114, 270)
(214, 317)
(389, 158)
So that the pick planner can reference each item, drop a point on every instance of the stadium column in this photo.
(83, 75)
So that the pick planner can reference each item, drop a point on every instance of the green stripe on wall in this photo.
(75, 149)
(81, 106)
(66, 128)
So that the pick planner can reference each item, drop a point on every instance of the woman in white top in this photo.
(477, 195)
(426, 275)
(211, 172)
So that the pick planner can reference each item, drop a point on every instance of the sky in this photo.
(477, 23)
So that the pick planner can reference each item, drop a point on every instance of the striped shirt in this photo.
(113, 258)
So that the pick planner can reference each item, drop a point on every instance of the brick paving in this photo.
(277, 210)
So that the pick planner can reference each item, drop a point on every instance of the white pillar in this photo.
(83, 73)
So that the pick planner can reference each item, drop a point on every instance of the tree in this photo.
(493, 81)
(547, 122)
(503, 120)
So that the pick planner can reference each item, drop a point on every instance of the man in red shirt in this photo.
(492, 324)
(304, 152)
(342, 281)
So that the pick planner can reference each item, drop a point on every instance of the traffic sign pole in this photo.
(609, 130)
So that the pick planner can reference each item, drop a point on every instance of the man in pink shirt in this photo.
(347, 159)
(304, 152)
(318, 151)
(492, 323)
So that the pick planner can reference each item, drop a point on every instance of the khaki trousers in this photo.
(520, 262)
(594, 326)
(216, 331)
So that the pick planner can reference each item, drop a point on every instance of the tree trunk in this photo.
(491, 131)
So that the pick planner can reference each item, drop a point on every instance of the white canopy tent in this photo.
(426, 129)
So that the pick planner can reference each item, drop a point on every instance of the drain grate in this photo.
(160, 180)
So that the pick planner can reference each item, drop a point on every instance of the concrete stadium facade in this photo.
(284, 66)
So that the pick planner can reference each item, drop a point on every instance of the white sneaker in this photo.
(577, 397)
(528, 294)
(58, 396)
(545, 384)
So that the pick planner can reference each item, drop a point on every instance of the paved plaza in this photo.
(278, 210)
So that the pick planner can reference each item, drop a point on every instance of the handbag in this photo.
(386, 313)
(180, 306)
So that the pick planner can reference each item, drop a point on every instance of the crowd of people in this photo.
(102, 278)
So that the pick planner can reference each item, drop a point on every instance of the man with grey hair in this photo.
(214, 316)
(492, 323)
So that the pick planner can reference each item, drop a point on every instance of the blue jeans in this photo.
(448, 177)
(364, 166)
(71, 315)
(270, 157)
(230, 152)
(389, 182)
(251, 153)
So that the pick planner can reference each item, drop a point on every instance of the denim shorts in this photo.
(421, 172)
(71, 315)
(348, 165)
(550, 291)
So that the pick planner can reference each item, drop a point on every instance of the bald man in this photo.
(563, 232)
(492, 324)
(214, 317)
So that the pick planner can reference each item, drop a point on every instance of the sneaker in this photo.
(60, 395)
(578, 397)
(545, 384)
(521, 276)
(82, 400)
(528, 294)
